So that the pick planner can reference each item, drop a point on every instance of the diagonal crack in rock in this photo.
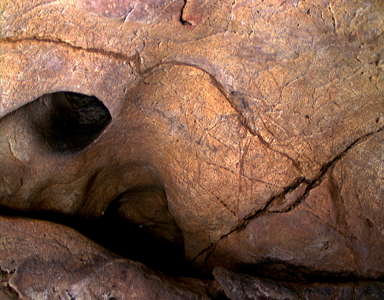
(311, 184)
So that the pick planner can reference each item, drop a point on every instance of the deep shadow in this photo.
(279, 270)
(122, 238)
(67, 121)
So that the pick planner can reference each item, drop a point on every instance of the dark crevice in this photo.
(241, 286)
(278, 270)
(139, 242)
(326, 167)
(68, 122)
(182, 20)
(115, 55)
(334, 24)
(312, 183)
(123, 238)
(278, 280)
(244, 222)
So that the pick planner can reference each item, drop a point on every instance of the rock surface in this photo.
(41, 260)
(260, 121)
(240, 286)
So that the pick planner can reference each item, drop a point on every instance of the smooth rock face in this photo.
(248, 132)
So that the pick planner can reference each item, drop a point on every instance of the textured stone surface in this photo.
(240, 286)
(41, 260)
(335, 227)
(261, 121)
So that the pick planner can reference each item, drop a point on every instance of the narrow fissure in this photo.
(35, 39)
(277, 270)
(132, 242)
(182, 20)
(69, 122)
(122, 238)
(311, 184)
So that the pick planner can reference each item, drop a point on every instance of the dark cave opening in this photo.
(136, 243)
(69, 122)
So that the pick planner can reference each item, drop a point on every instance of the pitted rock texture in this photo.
(259, 123)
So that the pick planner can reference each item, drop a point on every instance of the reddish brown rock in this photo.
(260, 121)
(148, 11)
(240, 286)
(335, 225)
(40, 260)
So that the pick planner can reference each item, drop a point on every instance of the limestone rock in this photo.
(259, 124)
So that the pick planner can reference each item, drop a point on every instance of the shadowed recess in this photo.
(123, 238)
(68, 121)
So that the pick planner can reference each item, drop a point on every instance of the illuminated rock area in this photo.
(191, 149)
